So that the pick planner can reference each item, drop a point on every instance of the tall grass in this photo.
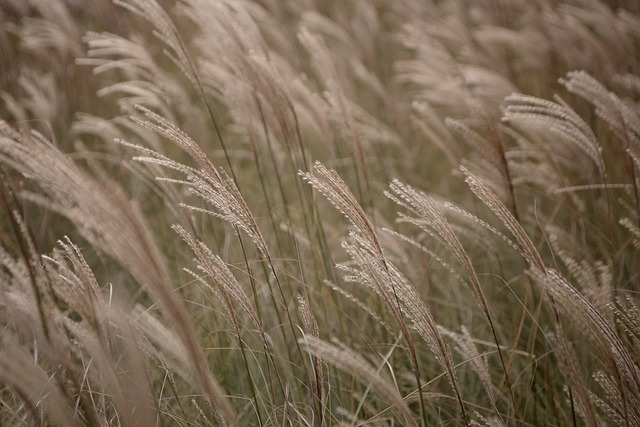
(319, 213)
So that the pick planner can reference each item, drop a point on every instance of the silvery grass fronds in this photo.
(445, 75)
(524, 245)
(329, 183)
(594, 278)
(628, 316)
(374, 271)
(622, 117)
(233, 52)
(602, 335)
(612, 405)
(227, 286)
(208, 182)
(107, 219)
(55, 30)
(431, 220)
(39, 99)
(39, 42)
(213, 186)
(486, 139)
(229, 291)
(25, 363)
(105, 337)
(85, 348)
(143, 82)
(253, 66)
(166, 32)
(559, 119)
(633, 228)
(573, 304)
(467, 348)
(593, 36)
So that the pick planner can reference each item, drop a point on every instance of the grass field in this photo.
(320, 212)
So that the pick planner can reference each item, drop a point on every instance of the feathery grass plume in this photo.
(474, 118)
(478, 144)
(349, 361)
(265, 94)
(593, 36)
(390, 87)
(432, 221)
(109, 52)
(603, 334)
(466, 347)
(533, 165)
(116, 368)
(444, 68)
(163, 127)
(613, 405)
(41, 39)
(111, 223)
(574, 303)
(234, 53)
(486, 422)
(79, 288)
(389, 283)
(628, 316)
(28, 385)
(216, 188)
(166, 32)
(377, 273)
(473, 229)
(336, 191)
(623, 118)
(148, 349)
(270, 101)
(229, 290)
(32, 385)
(217, 270)
(85, 349)
(39, 100)
(145, 83)
(493, 163)
(537, 115)
(623, 387)
(614, 409)
(433, 71)
(328, 42)
(210, 184)
(593, 278)
(55, 31)
(525, 246)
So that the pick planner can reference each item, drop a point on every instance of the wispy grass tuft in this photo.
(319, 213)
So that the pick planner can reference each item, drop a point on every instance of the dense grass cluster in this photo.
(318, 213)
